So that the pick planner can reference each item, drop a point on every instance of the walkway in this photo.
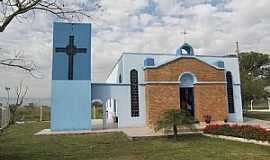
(139, 132)
(253, 121)
(136, 132)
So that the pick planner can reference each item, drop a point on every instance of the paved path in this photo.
(135, 132)
(138, 132)
(130, 132)
(253, 121)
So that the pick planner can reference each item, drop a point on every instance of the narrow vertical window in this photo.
(120, 78)
(114, 106)
(230, 92)
(134, 93)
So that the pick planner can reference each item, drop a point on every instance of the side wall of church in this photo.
(162, 89)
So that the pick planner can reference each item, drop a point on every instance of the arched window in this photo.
(230, 92)
(120, 78)
(187, 80)
(186, 49)
(134, 92)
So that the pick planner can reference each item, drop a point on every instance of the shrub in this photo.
(241, 131)
(172, 119)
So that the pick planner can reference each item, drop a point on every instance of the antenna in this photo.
(184, 35)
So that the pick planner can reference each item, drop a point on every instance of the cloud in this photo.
(119, 26)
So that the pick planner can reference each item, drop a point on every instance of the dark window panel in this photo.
(230, 92)
(134, 92)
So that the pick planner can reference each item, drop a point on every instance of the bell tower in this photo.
(71, 77)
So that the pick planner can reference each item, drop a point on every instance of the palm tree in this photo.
(172, 119)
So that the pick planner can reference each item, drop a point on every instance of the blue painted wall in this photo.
(82, 61)
(71, 99)
(71, 105)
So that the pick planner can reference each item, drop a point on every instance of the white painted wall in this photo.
(136, 61)
(110, 110)
(121, 92)
(238, 115)
(112, 78)
(115, 72)
(232, 65)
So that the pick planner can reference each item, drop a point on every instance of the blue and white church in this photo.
(140, 86)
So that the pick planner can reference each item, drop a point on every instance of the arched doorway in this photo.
(104, 115)
(186, 90)
(97, 114)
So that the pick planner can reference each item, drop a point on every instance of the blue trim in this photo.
(149, 62)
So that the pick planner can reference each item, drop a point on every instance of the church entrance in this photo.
(186, 90)
(187, 99)
(104, 115)
(97, 114)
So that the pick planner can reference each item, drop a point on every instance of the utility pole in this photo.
(237, 49)
(40, 111)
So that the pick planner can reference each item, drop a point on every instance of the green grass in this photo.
(18, 143)
(258, 115)
(32, 114)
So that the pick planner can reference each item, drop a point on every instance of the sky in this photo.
(144, 26)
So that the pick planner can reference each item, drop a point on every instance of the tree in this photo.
(254, 72)
(17, 61)
(12, 9)
(172, 119)
(21, 92)
(23, 9)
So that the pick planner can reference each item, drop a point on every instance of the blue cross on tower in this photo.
(71, 50)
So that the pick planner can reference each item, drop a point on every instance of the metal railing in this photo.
(254, 107)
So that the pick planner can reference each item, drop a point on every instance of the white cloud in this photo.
(213, 26)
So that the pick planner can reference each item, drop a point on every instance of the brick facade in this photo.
(162, 93)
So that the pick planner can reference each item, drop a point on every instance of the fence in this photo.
(4, 117)
(259, 106)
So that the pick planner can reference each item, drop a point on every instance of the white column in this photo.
(40, 114)
(251, 105)
(268, 101)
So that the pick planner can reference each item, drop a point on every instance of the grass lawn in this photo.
(18, 143)
(258, 115)
(32, 114)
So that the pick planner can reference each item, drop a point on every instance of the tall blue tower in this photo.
(71, 77)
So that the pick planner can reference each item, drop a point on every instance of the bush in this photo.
(241, 131)
(172, 119)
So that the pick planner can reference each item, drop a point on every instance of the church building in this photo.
(141, 86)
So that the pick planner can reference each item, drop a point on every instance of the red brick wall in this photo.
(209, 98)
(159, 98)
(171, 71)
